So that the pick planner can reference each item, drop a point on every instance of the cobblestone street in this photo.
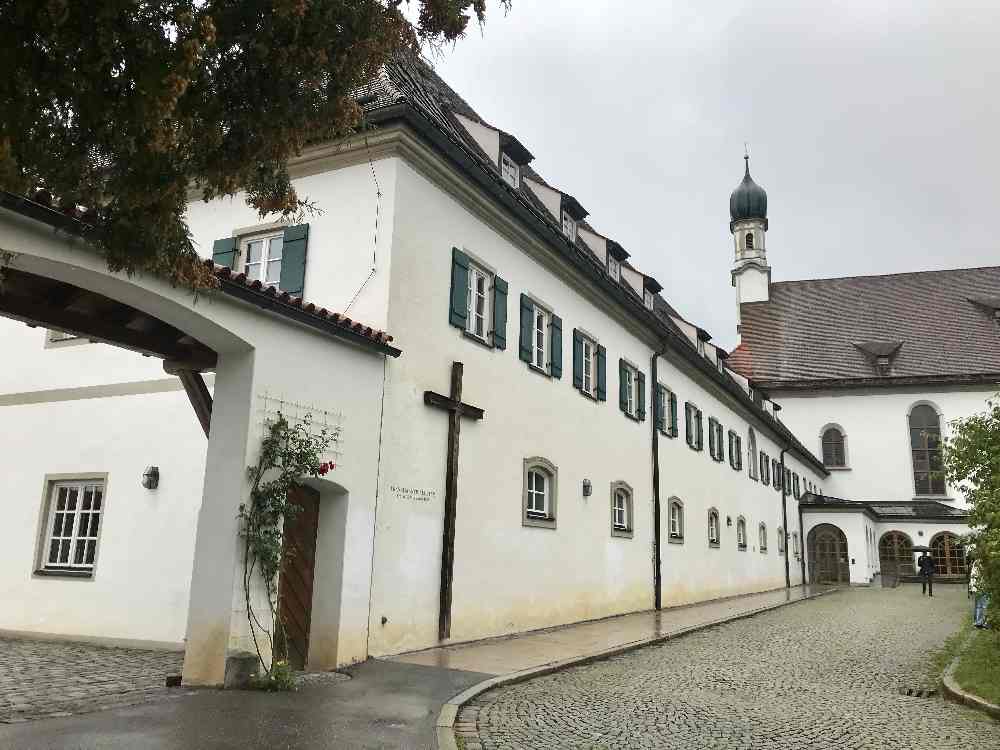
(50, 678)
(820, 674)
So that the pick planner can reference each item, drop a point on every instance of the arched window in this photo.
(834, 451)
(949, 555)
(895, 554)
(752, 453)
(676, 519)
(762, 537)
(741, 533)
(713, 528)
(621, 510)
(925, 445)
(781, 540)
(749, 241)
(538, 495)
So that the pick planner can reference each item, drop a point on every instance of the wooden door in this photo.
(295, 582)
(895, 553)
(830, 556)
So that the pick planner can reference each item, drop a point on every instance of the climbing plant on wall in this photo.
(289, 453)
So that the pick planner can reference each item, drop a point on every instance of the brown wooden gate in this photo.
(295, 582)
(829, 562)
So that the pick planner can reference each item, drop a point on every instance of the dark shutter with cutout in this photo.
(578, 360)
(293, 259)
(499, 313)
(555, 346)
(458, 304)
(524, 343)
(641, 400)
(224, 252)
(602, 374)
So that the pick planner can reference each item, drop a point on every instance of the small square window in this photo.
(569, 226)
(262, 257)
(73, 521)
(480, 301)
(510, 171)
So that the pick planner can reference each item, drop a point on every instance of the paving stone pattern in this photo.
(50, 678)
(822, 674)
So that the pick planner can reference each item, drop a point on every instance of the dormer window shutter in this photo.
(293, 259)
(555, 346)
(224, 252)
(458, 306)
(577, 360)
(527, 329)
(499, 313)
(602, 373)
(640, 411)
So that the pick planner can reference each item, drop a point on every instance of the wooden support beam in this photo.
(197, 392)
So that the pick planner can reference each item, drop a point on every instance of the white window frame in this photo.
(540, 333)
(741, 533)
(781, 540)
(478, 273)
(614, 268)
(535, 508)
(762, 537)
(259, 272)
(714, 532)
(647, 298)
(631, 390)
(531, 514)
(622, 499)
(78, 542)
(568, 226)
(675, 519)
(795, 543)
(589, 354)
(510, 171)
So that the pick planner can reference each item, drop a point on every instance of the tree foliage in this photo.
(972, 461)
(127, 107)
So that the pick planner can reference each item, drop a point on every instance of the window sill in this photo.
(589, 396)
(538, 522)
(675, 539)
(667, 433)
(621, 533)
(539, 370)
(741, 547)
(713, 545)
(763, 550)
(836, 468)
(49, 573)
(753, 477)
(717, 460)
(485, 343)
(634, 417)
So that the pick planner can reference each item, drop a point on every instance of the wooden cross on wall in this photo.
(456, 410)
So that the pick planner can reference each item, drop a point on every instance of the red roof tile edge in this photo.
(226, 273)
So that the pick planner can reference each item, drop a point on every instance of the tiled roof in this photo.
(291, 302)
(932, 325)
(915, 509)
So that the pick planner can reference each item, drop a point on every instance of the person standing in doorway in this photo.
(926, 567)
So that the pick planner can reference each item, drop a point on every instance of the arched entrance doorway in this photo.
(828, 559)
(949, 555)
(895, 554)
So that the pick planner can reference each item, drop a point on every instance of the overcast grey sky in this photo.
(873, 126)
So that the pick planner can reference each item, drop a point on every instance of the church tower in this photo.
(751, 274)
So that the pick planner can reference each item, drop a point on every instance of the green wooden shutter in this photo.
(602, 374)
(689, 424)
(578, 360)
(499, 313)
(659, 405)
(458, 303)
(701, 429)
(622, 390)
(673, 414)
(293, 259)
(640, 411)
(224, 252)
(555, 347)
(527, 313)
(711, 437)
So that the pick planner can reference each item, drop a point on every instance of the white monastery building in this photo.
(543, 439)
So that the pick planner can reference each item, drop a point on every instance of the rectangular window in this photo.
(693, 426)
(589, 380)
(629, 385)
(614, 268)
(569, 226)
(795, 543)
(540, 333)
(795, 486)
(621, 511)
(510, 171)
(262, 258)
(73, 526)
(715, 449)
(480, 302)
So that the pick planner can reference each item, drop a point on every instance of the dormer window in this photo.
(511, 172)
(569, 226)
(719, 361)
(701, 346)
(883, 366)
(648, 299)
(614, 267)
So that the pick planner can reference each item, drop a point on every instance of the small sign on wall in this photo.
(412, 494)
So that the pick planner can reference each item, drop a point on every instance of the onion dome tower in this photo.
(751, 275)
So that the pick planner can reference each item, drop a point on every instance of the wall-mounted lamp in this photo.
(588, 488)
(151, 477)
(729, 520)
